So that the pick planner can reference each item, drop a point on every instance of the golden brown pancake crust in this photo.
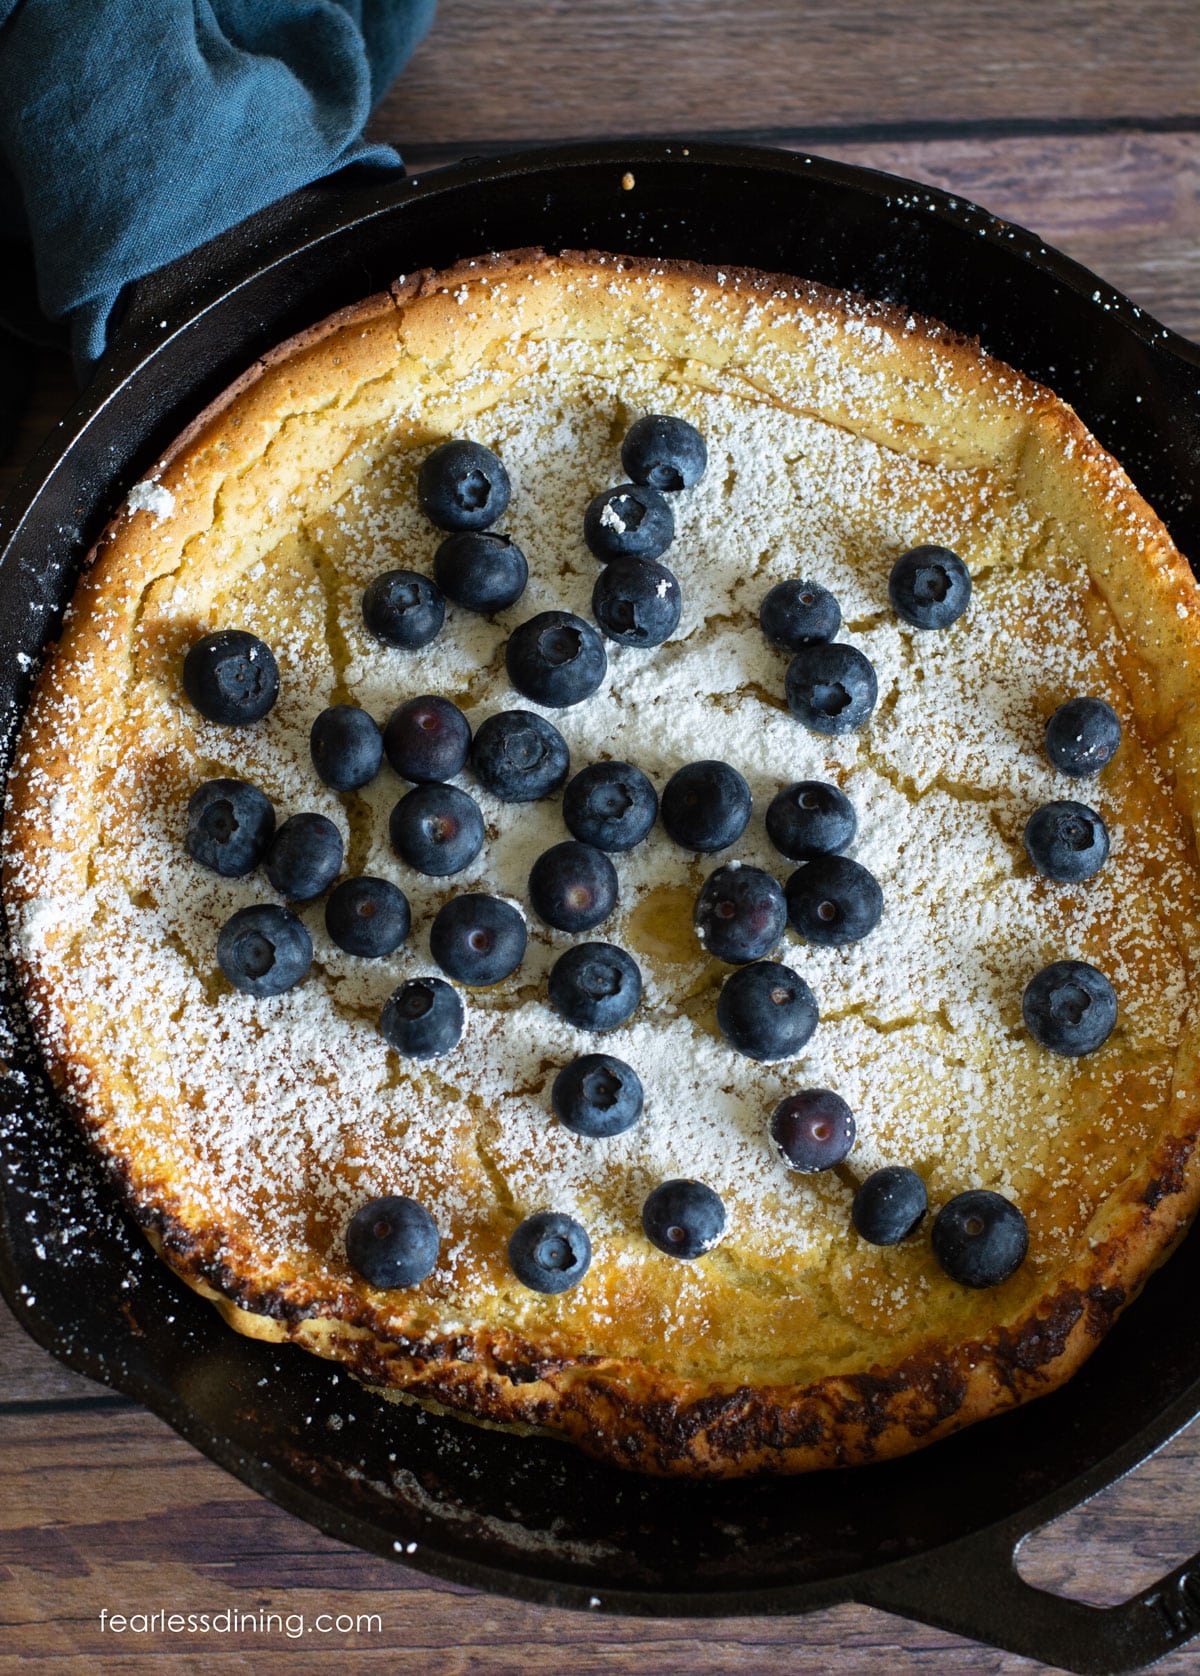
(250, 482)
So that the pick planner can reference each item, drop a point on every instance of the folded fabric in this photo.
(134, 130)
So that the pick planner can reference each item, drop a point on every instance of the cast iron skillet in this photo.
(932, 1536)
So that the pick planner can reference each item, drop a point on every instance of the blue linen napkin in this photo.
(133, 130)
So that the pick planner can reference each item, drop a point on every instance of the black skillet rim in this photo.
(136, 347)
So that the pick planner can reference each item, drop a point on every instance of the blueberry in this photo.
(705, 806)
(556, 659)
(392, 1242)
(402, 608)
(264, 950)
(683, 1218)
(611, 805)
(628, 522)
(427, 739)
(346, 747)
(305, 856)
(636, 602)
(812, 1130)
(798, 613)
(422, 1019)
(463, 486)
(367, 916)
(889, 1205)
(811, 818)
(980, 1238)
(595, 986)
(231, 677)
(766, 1011)
(229, 825)
(1070, 1008)
(740, 914)
(1082, 737)
(930, 587)
(664, 453)
(549, 1252)
(477, 939)
(573, 886)
(831, 687)
(832, 900)
(1066, 841)
(436, 829)
(481, 571)
(519, 756)
(597, 1095)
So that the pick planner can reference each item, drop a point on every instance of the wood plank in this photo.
(1126, 205)
(550, 70)
(29, 1375)
(115, 1512)
(1128, 1536)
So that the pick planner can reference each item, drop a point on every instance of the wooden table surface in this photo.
(1079, 118)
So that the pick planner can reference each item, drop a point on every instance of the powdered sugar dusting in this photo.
(286, 1114)
(150, 496)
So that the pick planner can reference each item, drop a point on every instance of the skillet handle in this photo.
(973, 1589)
